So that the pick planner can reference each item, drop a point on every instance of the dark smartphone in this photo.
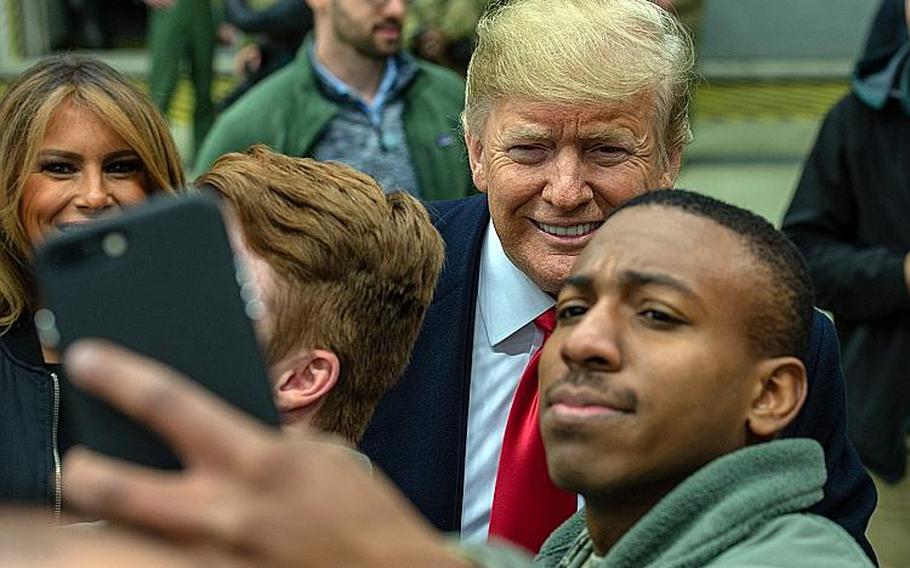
(161, 280)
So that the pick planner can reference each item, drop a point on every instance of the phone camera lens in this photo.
(114, 245)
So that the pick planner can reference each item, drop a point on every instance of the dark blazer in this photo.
(418, 433)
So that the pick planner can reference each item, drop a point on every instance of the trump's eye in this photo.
(527, 153)
(606, 152)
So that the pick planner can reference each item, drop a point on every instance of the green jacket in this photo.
(288, 113)
(744, 509)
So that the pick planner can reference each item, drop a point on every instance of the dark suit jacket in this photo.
(418, 433)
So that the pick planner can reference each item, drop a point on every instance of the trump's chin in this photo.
(547, 269)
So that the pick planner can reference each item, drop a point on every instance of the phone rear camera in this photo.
(114, 245)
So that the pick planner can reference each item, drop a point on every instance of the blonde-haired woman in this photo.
(77, 141)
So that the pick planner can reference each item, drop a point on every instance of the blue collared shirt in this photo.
(373, 110)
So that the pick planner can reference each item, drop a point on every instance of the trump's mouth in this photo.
(577, 230)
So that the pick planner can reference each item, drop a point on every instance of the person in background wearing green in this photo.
(354, 96)
(183, 30)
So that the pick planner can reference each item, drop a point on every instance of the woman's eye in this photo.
(569, 312)
(123, 167)
(527, 154)
(57, 168)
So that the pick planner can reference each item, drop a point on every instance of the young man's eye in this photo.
(57, 168)
(659, 317)
(566, 313)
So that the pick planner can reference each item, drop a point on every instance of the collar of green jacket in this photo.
(713, 509)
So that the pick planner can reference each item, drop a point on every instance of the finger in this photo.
(199, 426)
(165, 502)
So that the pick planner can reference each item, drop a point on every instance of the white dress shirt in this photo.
(504, 339)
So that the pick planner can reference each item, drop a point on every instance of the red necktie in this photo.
(527, 506)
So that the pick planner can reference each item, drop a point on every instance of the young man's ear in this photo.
(476, 160)
(779, 396)
(303, 380)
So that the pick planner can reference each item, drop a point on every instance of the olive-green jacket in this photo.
(742, 510)
(288, 113)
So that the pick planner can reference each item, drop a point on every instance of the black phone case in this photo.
(160, 280)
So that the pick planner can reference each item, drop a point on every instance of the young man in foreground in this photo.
(673, 368)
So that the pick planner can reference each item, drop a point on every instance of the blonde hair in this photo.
(355, 268)
(579, 52)
(25, 110)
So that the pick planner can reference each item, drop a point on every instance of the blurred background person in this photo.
(183, 31)
(354, 96)
(442, 31)
(849, 217)
(275, 33)
(78, 141)
(89, 30)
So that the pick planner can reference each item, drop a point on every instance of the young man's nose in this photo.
(593, 342)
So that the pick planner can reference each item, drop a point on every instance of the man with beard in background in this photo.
(353, 96)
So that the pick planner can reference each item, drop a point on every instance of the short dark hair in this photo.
(782, 324)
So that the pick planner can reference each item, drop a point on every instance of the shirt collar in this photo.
(340, 91)
(509, 300)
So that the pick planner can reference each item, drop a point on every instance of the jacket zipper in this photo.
(58, 471)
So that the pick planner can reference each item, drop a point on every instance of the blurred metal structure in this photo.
(774, 39)
(10, 31)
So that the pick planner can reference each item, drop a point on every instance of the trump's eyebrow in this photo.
(612, 136)
(527, 132)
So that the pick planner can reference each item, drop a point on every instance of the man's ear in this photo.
(476, 160)
(779, 396)
(671, 167)
(304, 380)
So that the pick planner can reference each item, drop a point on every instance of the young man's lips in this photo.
(581, 412)
(580, 403)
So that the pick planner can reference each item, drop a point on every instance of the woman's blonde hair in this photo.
(581, 52)
(25, 110)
